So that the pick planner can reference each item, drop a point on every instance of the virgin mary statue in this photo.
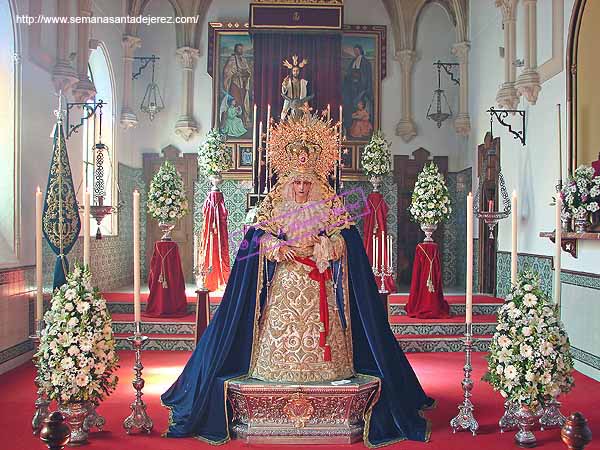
(301, 306)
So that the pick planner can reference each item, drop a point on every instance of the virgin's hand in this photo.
(286, 252)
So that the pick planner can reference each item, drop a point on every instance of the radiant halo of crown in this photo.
(306, 144)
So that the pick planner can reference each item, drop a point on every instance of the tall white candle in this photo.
(514, 235)
(373, 252)
(39, 278)
(254, 150)
(267, 163)
(389, 251)
(86, 228)
(136, 256)
(469, 296)
(259, 152)
(557, 251)
(328, 111)
(559, 145)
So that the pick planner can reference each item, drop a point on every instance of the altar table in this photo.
(426, 299)
(166, 282)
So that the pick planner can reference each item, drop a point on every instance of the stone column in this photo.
(528, 83)
(507, 95)
(186, 126)
(462, 124)
(84, 89)
(63, 74)
(128, 119)
(406, 127)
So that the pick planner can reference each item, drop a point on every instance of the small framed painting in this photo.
(245, 157)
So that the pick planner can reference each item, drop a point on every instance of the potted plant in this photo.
(376, 159)
(529, 361)
(76, 358)
(167, 202)
(214, 157)
(430, 203)
(581, 196)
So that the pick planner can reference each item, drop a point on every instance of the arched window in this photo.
(8, 137)
(100, 73)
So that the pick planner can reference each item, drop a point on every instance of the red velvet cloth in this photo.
(596, 166)
(314, 274)
(323, 71)
(376, 211)
(215, 241)
(166, 282)
(421, 302)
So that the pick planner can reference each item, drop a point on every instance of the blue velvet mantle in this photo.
(197, 399)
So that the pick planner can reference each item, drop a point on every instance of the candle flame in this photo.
(38, 189)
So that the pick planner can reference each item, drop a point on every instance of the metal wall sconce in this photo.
(491, 217)
(152, 103)
(439, 115)
(89, 109)
(501, 115)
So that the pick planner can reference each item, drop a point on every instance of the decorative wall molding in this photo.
(84, 89)
(586, 357)
(406, 128)
(555, 64)
(462, 123)
(130, 43)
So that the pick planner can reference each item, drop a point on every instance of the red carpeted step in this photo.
(124, 317)
(405, 320)
(402, 299)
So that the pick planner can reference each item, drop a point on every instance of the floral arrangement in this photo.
(166, 198)
(430, 199)
(213, 156)
(529, 359)
(76, 358)
(581, 193)
(376, 158)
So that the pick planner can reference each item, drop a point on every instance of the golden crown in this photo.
(307, 144)
(295, 62)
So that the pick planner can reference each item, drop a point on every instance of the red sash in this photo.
(323, 309)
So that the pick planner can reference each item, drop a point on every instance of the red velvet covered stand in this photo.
(426, 299)
(375, 223)
(167, 285)
(215, 241)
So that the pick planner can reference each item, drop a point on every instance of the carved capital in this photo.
(187, 57)
(507, 96)
(407, 59)
(63, 76)
(508, 8)
(406, 129)
(528, 85)
(462, 124)
(186, 128)
(130, 43)
(461, 51)
(128, 119)
(84, 90)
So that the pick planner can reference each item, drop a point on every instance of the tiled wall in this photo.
(580, 305)
(16, 317)
(111, 258)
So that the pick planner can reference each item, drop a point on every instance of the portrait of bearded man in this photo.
(237, 83)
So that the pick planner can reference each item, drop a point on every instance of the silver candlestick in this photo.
(201, 274)
(551, 415)
(465, 419)
(139, 417)
(385, 271)
(42, 403)
(509, 420)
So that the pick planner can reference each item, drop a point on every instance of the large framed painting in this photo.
(231, 65)
(363, 68)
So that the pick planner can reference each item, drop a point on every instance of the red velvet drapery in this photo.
(323, 71)
(376, 211)
(215, 241)
(426, 298)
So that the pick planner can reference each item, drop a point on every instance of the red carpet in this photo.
(440, 374)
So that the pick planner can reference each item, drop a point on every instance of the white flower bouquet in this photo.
(166, 197)
(529, 360)
(76, 358)
(581, 192)
(376, 158)
(430, 199)
(213, 156)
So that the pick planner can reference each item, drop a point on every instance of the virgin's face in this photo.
(301, 190)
